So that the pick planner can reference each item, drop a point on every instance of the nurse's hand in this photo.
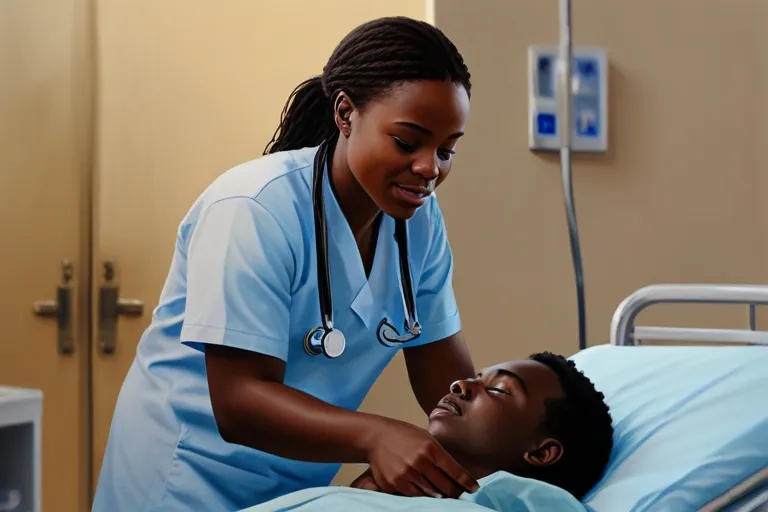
(366, 482)
(408, 461)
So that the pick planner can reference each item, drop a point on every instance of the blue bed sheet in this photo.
(500, 492)
(691, 422)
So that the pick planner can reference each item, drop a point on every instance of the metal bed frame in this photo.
(624, 332)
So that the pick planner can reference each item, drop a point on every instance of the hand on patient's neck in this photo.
(476, 468)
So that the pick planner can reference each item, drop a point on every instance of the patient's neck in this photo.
(475, 467)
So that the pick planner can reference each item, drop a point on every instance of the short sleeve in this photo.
(436, 305)
(239, 275)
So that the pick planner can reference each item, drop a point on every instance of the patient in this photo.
(538, 418)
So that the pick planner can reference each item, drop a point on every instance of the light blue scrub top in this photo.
(244, 274)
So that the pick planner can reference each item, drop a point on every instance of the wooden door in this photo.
(187, 89)
(44, 148)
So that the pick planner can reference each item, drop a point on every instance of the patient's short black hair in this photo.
(581, 421)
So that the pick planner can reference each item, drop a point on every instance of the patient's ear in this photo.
(548, 452)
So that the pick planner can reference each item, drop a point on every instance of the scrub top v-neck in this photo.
(244, 274)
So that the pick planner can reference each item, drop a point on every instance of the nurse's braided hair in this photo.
(367, 63)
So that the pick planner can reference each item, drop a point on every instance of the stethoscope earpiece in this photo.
(326, 339)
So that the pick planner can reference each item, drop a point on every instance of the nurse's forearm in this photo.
(275, 418)
(253, 408)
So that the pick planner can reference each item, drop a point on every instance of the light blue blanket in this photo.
(500, 492)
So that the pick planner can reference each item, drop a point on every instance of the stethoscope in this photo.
(327, 339)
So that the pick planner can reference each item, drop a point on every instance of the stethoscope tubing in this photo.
(316, 341)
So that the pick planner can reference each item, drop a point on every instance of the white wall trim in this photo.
(429, 15)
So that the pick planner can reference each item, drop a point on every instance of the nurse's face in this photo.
(491, 423)
(401, 146)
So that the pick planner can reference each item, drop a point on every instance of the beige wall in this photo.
(678, 197)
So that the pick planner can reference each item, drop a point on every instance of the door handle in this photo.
(61, 309)
(110, 307)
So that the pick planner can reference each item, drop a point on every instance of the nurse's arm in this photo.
(434, 366)
(253, 408)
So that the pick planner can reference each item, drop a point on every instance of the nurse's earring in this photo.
(548, 452)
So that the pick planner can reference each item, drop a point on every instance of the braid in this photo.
(371, 60)
(306, 120)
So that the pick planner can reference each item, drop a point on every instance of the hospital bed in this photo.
(691, 423)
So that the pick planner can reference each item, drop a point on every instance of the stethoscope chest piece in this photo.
(330, 343)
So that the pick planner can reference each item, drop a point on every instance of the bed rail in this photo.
(624, 332)
(739, 492)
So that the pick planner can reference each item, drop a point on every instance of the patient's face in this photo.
(491, 423)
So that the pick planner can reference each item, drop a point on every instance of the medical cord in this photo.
(566, 57)
(575, 250)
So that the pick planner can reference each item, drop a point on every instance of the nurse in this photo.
(225, 406)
